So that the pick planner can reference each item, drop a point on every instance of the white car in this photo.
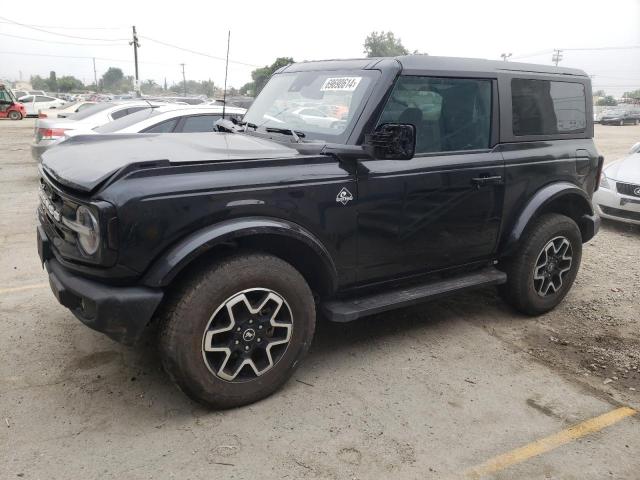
(66, 111)
(48, 131)
(618, 197)
(34, 103)
(315, 116)
(168, 119)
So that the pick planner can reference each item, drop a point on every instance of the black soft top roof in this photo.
(415, 64)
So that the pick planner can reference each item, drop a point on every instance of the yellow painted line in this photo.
(23, 288)
(547, 444)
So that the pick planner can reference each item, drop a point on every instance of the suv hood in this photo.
(83, 162)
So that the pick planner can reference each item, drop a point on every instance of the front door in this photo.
(443, 207)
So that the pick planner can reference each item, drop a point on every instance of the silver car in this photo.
(49, 132)
(618, 197)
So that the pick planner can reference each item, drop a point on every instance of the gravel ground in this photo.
(425, 392)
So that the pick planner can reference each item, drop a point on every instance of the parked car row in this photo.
(127, 117)
(620, 117)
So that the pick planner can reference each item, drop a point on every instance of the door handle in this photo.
(489, 180)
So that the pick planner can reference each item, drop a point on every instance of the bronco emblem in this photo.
(344, 196)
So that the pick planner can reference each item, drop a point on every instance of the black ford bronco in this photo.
(350, 188)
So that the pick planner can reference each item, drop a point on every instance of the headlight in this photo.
(603, 181)
(89, 236)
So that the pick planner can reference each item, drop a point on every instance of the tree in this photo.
(261, 76)
(599, 93)
(112, 79)
(52, 83)
(607, 101)
(635, 94)
(150, 87)
(39, 83)
(383, 44)
(69, 83)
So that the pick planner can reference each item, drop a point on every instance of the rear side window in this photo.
(543, 107)
(200, 123)
(119, 113)
(163, 127)
(449, 114)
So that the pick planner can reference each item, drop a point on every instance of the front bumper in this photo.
(612, 205)
(121, 313)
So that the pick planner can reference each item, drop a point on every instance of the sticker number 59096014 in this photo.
(340, 84)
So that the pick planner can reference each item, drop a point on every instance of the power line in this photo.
(32, 27)
(581, 49)
(80, 57)
(70, 28)
(196, 52)
(61, 42)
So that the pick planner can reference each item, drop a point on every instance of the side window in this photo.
(199, 123)
(543, 107)
(27, 99)
(40, 98)
(163, 127)
(119, 113)
(449, 114)
(4, 96)
(131, 110)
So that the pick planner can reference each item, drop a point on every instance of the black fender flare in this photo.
(588, 221)
(165, 268)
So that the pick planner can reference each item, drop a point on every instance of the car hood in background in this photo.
(626, 170)
(83, 162)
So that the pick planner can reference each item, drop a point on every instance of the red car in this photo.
(9, 106)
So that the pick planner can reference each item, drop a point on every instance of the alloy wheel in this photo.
(553, 263)
(247, 335)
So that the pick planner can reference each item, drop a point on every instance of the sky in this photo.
(314, 30)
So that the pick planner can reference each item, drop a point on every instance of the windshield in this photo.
(321, 105)
(127, 121)
(93, 109)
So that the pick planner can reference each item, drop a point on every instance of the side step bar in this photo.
(349, 309)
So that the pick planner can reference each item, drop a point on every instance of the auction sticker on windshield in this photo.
(340, 84)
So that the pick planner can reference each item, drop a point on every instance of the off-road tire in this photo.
(520, 290)
(187, 315)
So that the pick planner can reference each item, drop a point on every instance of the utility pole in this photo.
(184, 80)
(135, 44)
(557, 56)
(95, 74)
(506, 56)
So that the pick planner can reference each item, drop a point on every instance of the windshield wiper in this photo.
(248, 125)
(296, 134)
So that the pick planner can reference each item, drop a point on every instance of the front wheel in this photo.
(542, 271)
(621, 123)
(13, 115)
(235, 332)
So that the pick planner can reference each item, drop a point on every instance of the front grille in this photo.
(616, 212)
(628, 189)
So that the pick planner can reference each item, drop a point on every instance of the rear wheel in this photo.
(13, 115)
(235, 332)
(542, 271)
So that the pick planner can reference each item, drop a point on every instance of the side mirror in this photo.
(391, 141)
(635, 148)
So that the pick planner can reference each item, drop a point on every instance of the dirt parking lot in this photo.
(459, 388)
